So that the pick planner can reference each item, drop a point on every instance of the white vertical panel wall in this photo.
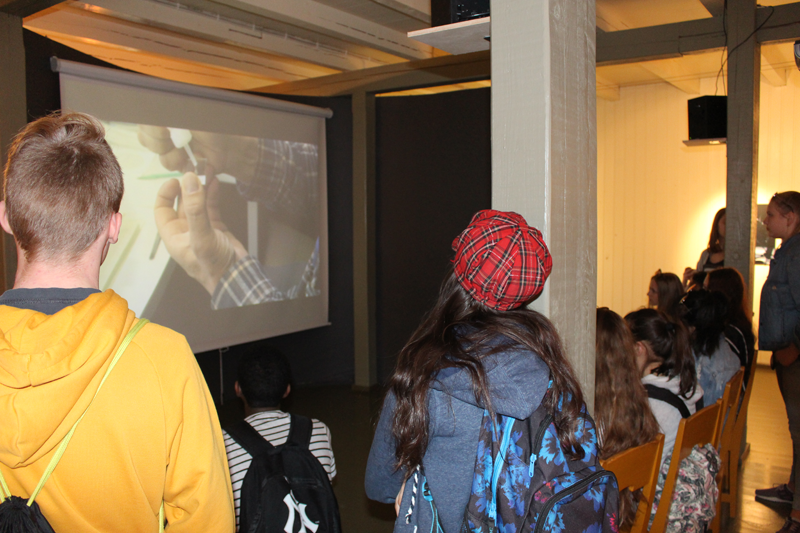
(657, 197)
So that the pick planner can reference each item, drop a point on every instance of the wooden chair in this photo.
(725, 435)
(730, 452)
(698, 429)
(637, 468)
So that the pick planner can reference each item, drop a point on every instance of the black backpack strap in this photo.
(300, 432)
(657, 393)
(249, 439)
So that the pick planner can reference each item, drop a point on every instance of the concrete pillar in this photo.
(544, 153)
(364, 280)
(744, 80)
(13, 116)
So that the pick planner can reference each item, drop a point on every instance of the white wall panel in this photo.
(657, 197)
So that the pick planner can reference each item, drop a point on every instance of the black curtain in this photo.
(433, 173)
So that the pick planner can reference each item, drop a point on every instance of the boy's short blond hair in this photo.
(61, 185)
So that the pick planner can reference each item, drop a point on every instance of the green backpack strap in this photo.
(6, 493)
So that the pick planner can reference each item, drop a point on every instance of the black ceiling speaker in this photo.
(708, 117)
(450, 11)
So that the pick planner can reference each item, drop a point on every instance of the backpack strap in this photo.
(300, 431)
(657, 393)
(5, 492)
(248, 438)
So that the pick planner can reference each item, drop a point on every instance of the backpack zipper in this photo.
(495, 468)
(567, 492)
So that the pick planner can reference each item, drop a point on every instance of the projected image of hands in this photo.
(240, 215)
(279, 181)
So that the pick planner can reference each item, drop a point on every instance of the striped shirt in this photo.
(274, 426)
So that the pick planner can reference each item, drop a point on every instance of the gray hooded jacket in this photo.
(517, 380)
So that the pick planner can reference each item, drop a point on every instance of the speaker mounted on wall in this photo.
(708, 120)
(451, 11)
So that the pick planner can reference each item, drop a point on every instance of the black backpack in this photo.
(285, 488)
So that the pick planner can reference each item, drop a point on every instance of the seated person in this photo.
(739, 331)
(264, 379)
(665, 293)
(716, 362)
(621, 410)
(664, 358)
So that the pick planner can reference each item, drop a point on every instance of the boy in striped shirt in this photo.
(264, 379)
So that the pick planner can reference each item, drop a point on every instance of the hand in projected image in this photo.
(194, 235)
(227, 154)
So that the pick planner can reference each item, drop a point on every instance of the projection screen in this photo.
(261, 166)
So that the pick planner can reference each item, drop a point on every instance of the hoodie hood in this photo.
(50, 369)
(517, 380)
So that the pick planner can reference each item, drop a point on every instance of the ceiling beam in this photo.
(335, 23)
(204, 25)
(659, 42)
(442, 70)
(84, 25)
(417, 9)
(783, 25)
(26, 8)
(677, 39)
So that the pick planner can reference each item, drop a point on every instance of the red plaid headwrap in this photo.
(500, 260)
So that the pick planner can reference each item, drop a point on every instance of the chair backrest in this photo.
(637, 468)
(741, 416)
(729, 408)
(698, 429)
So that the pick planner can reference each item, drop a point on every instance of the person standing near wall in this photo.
(712, 257)
(779, 331)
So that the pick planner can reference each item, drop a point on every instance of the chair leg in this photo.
(715, 521)
(733, 488)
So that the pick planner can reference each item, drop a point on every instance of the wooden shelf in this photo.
(706, 142)
(459, 38)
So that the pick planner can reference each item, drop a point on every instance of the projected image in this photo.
(239, 215)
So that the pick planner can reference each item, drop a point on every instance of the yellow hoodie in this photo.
(151, 433)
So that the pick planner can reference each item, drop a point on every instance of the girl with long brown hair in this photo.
(621, 410)
(665, 293)
(479, 347)
(739, 331)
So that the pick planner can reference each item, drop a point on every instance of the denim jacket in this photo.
(779, 317)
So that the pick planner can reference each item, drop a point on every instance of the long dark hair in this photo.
(707, 312)
(716, 242)
(669, 343)
(729, 282)
(621, 409)
(459, 332)
(670, 292)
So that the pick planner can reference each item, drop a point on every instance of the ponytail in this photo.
(670, 343)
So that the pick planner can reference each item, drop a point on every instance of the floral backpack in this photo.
(524, 482)
(694, 499)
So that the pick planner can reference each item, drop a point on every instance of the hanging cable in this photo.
(741, 43)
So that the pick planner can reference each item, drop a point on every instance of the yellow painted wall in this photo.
(657, 197)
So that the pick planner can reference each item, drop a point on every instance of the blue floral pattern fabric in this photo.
(524, 482)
